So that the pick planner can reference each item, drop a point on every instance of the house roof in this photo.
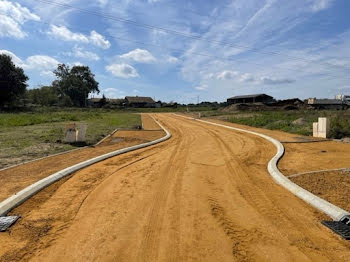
(249, 96)
(109, 100)
(139, 99)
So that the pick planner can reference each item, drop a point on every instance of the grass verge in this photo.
(297, 122)
(27, 136)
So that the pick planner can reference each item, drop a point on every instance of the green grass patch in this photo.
(25, 136)
(297, 122)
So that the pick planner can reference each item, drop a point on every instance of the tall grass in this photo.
(35, 118)
(284, 121)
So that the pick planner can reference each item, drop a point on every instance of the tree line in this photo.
(71, 87)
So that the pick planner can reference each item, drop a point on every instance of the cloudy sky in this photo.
(185, 49)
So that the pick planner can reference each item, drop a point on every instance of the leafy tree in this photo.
(45, 96)
(13, 81)
(76, 83)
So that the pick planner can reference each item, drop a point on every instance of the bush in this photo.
(340, 128)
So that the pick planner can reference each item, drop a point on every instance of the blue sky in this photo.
(179, 50)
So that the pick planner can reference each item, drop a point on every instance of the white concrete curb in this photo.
(18, 198)
(103, 139)
(331, 210)
(41, 158)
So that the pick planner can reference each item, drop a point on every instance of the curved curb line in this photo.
(42, 158)
(18, 198)
(336, 213)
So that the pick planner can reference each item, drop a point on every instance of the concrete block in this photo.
(323, 127)
(81, 132)
(71, 136)
(315, 129)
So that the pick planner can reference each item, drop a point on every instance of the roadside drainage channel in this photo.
(15, 200)
(341, 218)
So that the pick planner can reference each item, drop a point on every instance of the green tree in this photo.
(13, 81)
(45, 96)
(76, 83)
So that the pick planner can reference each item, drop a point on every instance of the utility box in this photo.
(321, 129)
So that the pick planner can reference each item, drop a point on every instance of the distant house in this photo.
(247, 99)
(116, 102)
(139, 101)
(326, 103)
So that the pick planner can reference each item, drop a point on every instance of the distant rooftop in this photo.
(249, 96)
(139, 99)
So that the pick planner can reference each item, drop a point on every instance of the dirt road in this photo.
(204, 195)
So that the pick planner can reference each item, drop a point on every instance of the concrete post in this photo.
(81, 133)
(323, 127)
(71, 133)
(315, 129)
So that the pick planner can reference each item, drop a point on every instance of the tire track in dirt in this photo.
(203, 195)
(172, 177)
(261, 202)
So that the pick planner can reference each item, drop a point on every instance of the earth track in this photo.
(203, 195)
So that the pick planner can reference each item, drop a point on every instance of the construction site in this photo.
(158, 130)
(178, 201)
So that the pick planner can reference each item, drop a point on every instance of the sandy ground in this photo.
(203, 195)
(15, 179)
(332, 186)
(305, 157)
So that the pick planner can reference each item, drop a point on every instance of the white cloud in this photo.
(172, 60)
(201, 87)
(41, 63)
(122, 70)
(15, 59)
(139, 55)
(319, 5)
(63, 33)
(81, 53)
(249, 78)
(274, 81)
(10, 28)
(102, 2)
(227, 75)
(12, 16)
(77, 64)
(246, 78)
(99, 40)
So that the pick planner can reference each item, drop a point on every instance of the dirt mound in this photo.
(246, 107)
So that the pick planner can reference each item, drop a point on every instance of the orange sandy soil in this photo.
(304, 157)
(17, 178)
(333, 186)
(203, 195)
